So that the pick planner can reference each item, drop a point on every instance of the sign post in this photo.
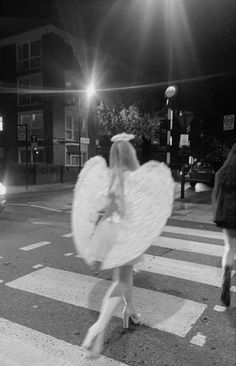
(23, 137)
(34, 147)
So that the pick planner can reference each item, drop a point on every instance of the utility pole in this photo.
(170, 92)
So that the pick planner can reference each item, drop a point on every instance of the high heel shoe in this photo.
(93, 343)
(135, 318)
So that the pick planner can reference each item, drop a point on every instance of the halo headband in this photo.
(123, 137)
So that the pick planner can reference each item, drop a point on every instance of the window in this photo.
(34, 122)
(72, 154)
(72, 132)
(29, 56)
(26, 84)
(69, 127)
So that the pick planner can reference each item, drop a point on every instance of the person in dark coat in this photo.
(224, 207)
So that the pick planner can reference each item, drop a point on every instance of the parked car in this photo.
(3, 199)
(202, 172)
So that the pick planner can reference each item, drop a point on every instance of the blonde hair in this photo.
(122, 158)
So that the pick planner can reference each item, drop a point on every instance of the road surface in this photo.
(49, 297)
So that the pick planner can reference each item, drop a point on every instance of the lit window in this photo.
(1, 123)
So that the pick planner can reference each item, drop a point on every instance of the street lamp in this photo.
(170, 92)
(90, 90)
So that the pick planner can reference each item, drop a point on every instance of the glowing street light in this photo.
(90, 90)
(171, 91)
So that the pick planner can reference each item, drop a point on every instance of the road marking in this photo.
(1, 281)
(199, 340)
(68, 254)
(17, 204)
(193, 232)
(190, 271)
(45, 208)
(35, 245)
(219, 308)
(37, 266)
(42, 223)
(20, 345)
(165, 312)
(67, 235)
(189, 246)
(182, 230)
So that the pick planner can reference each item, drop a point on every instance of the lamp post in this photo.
(90, 117)
(88, 93)
(170, 92)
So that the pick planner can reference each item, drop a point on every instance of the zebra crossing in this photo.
(168, 313)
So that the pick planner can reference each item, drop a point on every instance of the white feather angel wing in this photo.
(90, 197)
(149, 195)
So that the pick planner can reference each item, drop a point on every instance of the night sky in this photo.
(164, 40)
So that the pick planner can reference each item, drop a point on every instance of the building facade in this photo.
(42, 121)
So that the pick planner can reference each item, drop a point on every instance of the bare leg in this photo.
(227, 264)
(127, 276)
(230, 247)
(111, 301)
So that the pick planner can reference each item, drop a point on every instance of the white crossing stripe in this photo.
(199, 340)
(23, 346)
(37, 266)
(219, 308)
(46, 208)
(184, 231)
(67, 235)
(190, 271)
(189, 246)
(35, 245)
(165, 312)
(193, 232)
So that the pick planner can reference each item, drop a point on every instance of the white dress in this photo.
(148, 197)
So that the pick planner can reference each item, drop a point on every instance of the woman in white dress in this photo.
(133, 199)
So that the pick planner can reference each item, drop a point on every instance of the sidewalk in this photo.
(53, 187)
(196, 206)
(193, 212)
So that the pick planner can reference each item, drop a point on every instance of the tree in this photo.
(115, 118)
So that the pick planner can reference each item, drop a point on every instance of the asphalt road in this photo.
(49, 297)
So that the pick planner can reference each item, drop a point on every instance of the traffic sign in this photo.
(84, 140)
(22, 132)
(184, 140)
(228, 124)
